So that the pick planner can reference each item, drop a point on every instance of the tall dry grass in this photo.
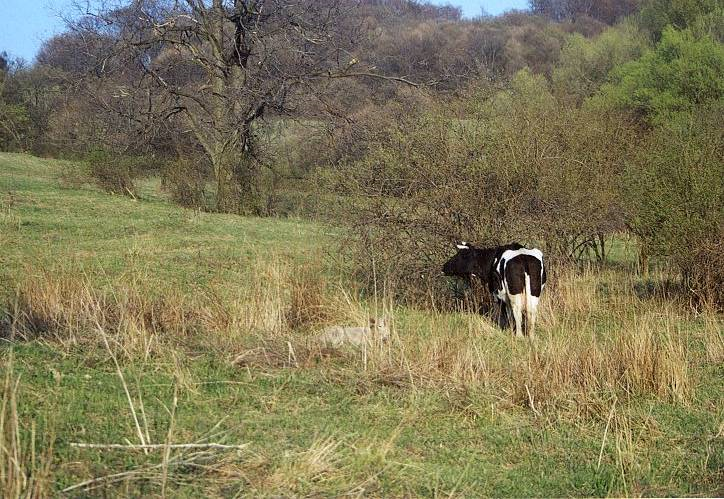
(25, 461)
(276, 301)
(598, 340)
(599, 345)
(69, 309)
(593, 347)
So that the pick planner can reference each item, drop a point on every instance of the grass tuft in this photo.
(25, 460)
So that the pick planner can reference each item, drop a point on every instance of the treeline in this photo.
(427, 44)
(560, 125)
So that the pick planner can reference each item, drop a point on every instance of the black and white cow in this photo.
(515, 276)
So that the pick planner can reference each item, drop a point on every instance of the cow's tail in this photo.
(526, 301)
(530, 306)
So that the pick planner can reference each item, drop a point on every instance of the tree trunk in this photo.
(235, 189)
(229, 154)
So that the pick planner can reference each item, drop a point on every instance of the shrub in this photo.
(705, 271)
(15, 126)
(585, 64)
(656, 15)
(675, 199)
(112, 173)
(515, 165)
(185, 183)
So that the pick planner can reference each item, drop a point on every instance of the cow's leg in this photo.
(514, 282)
(517, 303)
(501, 298)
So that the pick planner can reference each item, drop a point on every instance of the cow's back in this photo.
(514, 265)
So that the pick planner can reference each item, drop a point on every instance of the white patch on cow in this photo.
(510, 254)
(463, 246)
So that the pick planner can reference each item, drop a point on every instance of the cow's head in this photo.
(465, 263)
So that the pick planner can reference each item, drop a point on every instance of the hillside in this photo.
(120, 319)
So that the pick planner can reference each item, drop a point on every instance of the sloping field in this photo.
(152, 332)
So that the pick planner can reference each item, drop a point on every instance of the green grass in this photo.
(45, 224)
(435, 445)
(330, 426)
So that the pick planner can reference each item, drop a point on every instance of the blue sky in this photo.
(24, 24)
(473, 8)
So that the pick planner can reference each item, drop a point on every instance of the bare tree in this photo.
(216, 67)
(607, 11)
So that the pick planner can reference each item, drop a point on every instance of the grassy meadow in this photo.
(164, 330)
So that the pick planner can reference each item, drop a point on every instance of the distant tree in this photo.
(681, 74)
(100, 100)
(533, 43)
(74, 53)
(401, 10)
(554, 9)
(607, 11)
(656, 15)
(585, 64)
(14, 119)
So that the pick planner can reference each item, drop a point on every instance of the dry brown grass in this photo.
(277, 302)
(69, 310)
(325, 466)
(591, 350)
(714, 343)
(313, 464)
(598, 341)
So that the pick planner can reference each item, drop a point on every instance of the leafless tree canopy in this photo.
(212, 69)
(608, 11)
